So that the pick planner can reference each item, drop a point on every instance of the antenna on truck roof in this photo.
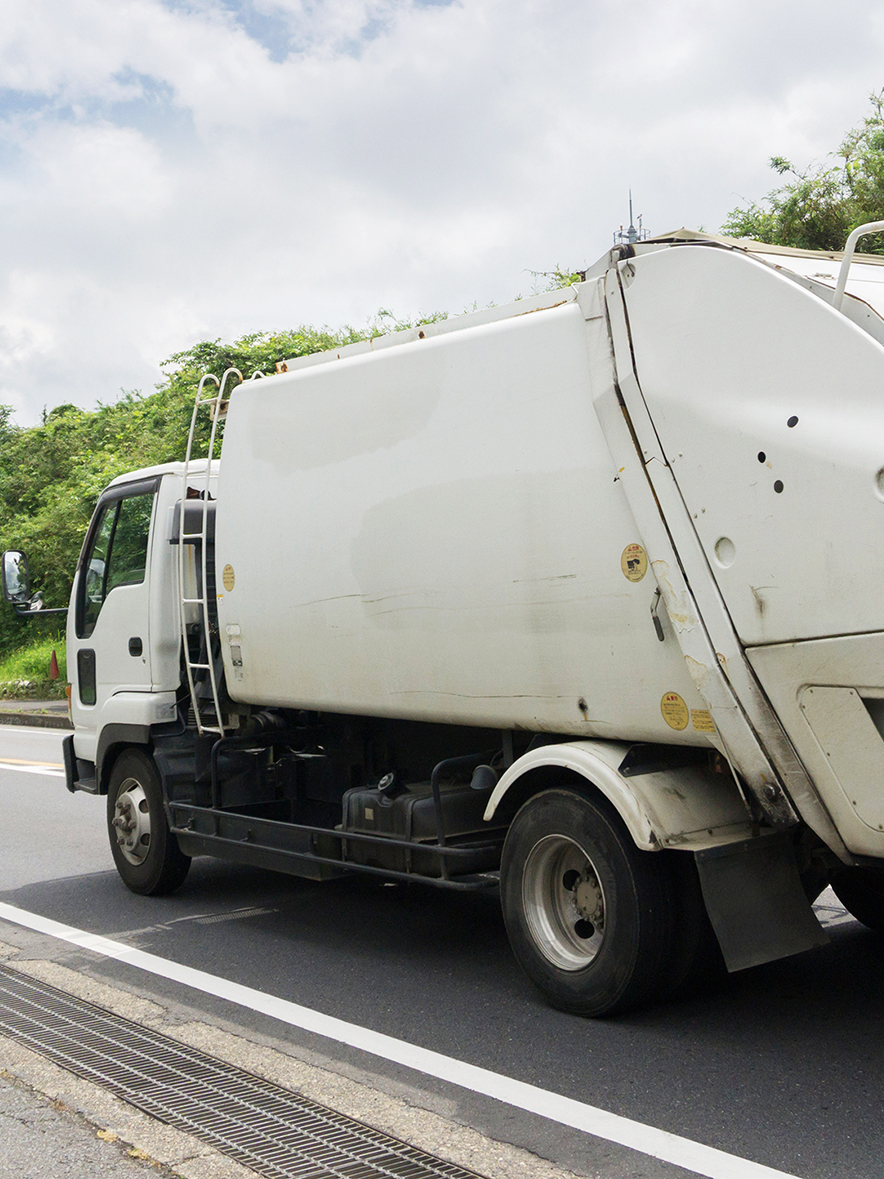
(631, 235)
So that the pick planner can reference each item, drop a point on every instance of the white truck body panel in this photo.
(728, 354)
(748, 731)
(435, 531)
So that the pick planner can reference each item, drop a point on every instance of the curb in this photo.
(37, 720)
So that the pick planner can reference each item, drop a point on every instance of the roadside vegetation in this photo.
(25, 672)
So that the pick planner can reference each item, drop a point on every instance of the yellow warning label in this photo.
(228, 578)
(634, 562)
(675, 711)
(702, 721)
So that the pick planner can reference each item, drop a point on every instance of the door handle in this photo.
(135, 646)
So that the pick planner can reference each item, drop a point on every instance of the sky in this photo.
(179, 170)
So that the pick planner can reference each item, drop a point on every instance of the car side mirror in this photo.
(16, 577)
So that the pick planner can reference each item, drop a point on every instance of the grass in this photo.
(24, 674)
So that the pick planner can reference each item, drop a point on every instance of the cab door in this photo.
(110, 639)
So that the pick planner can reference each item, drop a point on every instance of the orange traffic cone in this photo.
(53, 666)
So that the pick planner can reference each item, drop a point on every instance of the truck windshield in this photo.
(117, 555)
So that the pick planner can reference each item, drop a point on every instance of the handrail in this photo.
(217, 408)
(860, 231)
(217, 402)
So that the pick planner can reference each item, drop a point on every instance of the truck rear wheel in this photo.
(589, 916)
(145, 851)
(861, 892)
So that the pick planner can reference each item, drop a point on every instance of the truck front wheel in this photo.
(145, 851)
(589, 916)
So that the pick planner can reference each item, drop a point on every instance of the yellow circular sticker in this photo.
(228, 578)
(675, 711)
(634, 562)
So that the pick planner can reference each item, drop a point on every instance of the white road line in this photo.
(43, 770)
(659, 1144)
(29, 761)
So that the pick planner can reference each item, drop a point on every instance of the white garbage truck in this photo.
(576, 597)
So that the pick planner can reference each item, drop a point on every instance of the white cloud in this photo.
(172, 171)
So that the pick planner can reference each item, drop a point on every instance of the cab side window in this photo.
(117, 555)
(128, 558)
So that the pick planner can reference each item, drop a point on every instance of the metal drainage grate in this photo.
(272, 1130)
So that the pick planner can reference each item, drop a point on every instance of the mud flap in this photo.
(756, 903)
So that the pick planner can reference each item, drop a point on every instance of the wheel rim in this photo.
(131, 821)
(563, 902)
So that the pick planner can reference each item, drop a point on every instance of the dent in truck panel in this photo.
(451, 539)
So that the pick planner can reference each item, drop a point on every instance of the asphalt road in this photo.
(780, 1064)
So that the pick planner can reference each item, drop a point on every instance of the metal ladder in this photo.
(217, 406)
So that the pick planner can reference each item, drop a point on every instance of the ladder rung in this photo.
(199, 666)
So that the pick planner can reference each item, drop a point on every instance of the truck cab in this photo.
(124, 625)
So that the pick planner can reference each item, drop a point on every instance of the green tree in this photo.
(817, 208)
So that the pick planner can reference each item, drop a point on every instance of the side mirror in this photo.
(16, 577)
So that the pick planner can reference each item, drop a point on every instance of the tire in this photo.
(861, 892)
(590, 917)
(145, 851)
